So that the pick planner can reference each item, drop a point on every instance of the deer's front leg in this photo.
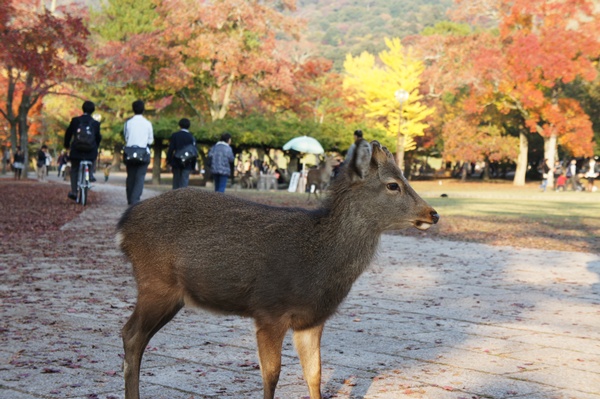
(270, 339)
(308, 345)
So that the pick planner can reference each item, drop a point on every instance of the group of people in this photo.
(139, 134)
(570, 176)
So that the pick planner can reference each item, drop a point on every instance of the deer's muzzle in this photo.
(424, 225)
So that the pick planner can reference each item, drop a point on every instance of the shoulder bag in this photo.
(186, 153)
(135, 155)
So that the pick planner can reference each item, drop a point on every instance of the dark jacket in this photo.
(177, 141)
(70, 133)
(221, 159)
(19, 157)
(41, 158)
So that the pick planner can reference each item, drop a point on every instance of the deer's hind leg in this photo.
(308, 346)
(153, 310)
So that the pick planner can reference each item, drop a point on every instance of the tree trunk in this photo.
(400, 152)
(293, 164)
(550, 155)
(464, 171)
(24, 137)
(408, 164)
(486, 171)
(157, 147)
(519, 179)
(117, 157)
(219, 107)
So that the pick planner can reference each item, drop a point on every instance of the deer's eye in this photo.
(393, 187)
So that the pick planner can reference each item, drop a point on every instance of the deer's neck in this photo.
(350, 242)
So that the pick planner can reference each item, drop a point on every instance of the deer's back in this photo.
(230, 254)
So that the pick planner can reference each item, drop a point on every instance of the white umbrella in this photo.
(304, 144)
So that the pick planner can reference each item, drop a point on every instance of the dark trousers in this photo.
(181, 177)
(134, 185)
(574, 182)
(220, 182)
(74, 174)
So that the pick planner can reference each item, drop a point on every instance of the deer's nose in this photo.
(434, 216)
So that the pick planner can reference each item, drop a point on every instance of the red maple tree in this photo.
(542, 46)
(38, 51)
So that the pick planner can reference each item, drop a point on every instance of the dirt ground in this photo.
(459, 320)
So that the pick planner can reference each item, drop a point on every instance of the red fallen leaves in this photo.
(30, 208)
(48, 370)
(250, 364)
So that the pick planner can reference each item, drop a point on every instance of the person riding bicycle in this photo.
(82, 138)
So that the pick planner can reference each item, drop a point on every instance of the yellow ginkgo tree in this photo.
(374, 84)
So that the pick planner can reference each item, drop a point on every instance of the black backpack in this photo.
(85, 137)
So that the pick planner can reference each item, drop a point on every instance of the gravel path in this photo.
(430, 319)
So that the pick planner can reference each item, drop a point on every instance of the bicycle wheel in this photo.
(82, 184)
(79, 185)
(83, 198)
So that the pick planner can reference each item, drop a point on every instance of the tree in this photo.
(38, 52)
(467, 139)
(542, 46)
(204, 54)
(127, 59)
(214, 48)
(375, 85)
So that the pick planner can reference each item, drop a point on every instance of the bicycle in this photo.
(83, 182)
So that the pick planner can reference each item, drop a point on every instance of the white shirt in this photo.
(591, 170)
(138, 131)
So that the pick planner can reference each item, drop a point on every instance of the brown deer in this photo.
(295, 280)
(320, 177)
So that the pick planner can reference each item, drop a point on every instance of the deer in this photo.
(319, 178)
(294, 281)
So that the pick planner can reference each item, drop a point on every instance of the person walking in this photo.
(5, 160)
(62, 162)
(182, 154)
(18, 163)
(573, 179)
(138, 132)
(358, 135)
(591, 172)
(41, 163)
(221, 158)
(545, 171)
(48, 161)
(82, 140)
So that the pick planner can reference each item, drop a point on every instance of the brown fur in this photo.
(319, 177)
(184, 246)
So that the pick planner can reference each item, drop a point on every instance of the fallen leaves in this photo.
(30, 208)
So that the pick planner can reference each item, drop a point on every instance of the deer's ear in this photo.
(381, 154)
(362, 158)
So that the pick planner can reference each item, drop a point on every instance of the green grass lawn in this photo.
(534, 209)
(506, 200)
(495, 199)
(497, 213)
